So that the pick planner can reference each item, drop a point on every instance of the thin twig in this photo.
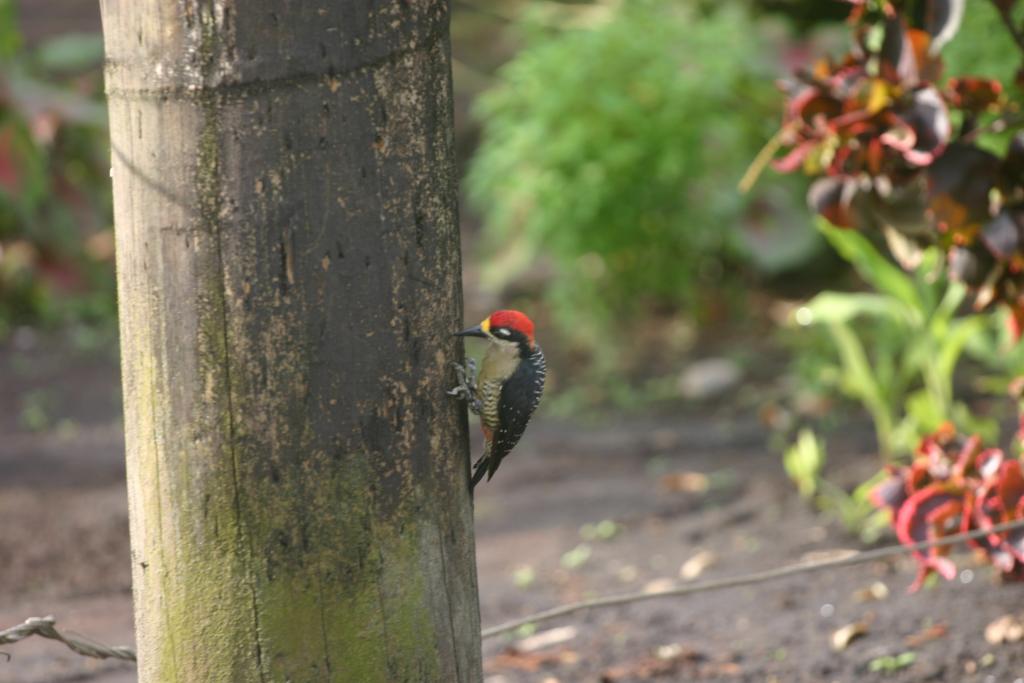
(763, 158)
(44, 626)
(1007, 17)
(747, 579)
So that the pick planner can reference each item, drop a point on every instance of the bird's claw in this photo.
(466, 388)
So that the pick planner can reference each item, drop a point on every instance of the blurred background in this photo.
(729, 377)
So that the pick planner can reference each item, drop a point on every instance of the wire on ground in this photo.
(45, 626)
(747, 579)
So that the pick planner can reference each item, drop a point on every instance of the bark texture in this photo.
(289, 278)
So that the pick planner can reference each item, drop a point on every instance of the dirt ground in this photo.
(64, 539)
(64, 549)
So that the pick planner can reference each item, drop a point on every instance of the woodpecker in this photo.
(508, 388)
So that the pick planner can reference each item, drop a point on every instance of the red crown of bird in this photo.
(514, 320)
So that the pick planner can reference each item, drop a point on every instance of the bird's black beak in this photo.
(475, 331)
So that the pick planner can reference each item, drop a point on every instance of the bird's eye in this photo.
(502, 331)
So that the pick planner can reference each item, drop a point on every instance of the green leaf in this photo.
(946, 309)
(891, 664)
(871, 264)
(524, 576)
(10, 38)
(71, 52)
(954, 342)
(857, 376)
(842, 307)
(926, 413)
(577, 557)
(854, 511)
(860, 382)
(969, 423)
(803, 462)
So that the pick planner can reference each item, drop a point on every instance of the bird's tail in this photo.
(481, 465)
(479, 470)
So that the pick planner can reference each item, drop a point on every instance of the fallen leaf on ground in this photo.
(684, 482)
(875, 592)
(531, 662)
(842, 637)
(554, 636)
(669, 651)
(933, 632)
(716, 669)
(1005, 629)
(652, 667)
(696, 565)
(627, 573)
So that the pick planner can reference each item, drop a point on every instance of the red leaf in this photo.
(891, 492)
(955, 486)
(923, 517)
(959, 182)
(974, 94)
(967, 455)
(1011, 486)
(795, 157)
(1016, 325)
(811, 102)
(989, 462)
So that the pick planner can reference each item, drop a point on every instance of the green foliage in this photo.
(524, 576)
(945, 205)
(10, 39)
(899, 148)
(577, 557)
(70, 53)
(803, 462)
(896, 349)
(1000, 354)
(892, 663)
(604, 530)
(36, 414)
(614, 148)
(56, 239)
(982, 47)
(854, 510)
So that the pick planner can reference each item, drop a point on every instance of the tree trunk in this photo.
(289, 279)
